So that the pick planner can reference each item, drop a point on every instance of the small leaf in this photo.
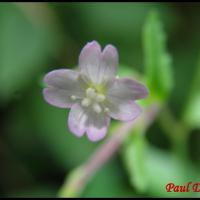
(191, 114)
(135, 161)
(157, 61)
(163, 168)
(151, 169)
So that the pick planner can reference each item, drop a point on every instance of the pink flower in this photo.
(94, 92)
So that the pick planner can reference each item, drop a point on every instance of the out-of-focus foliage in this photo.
(24, 47)
(158, 72)
(115, 185)
(150, 167)
(134, 159)
(37, 151)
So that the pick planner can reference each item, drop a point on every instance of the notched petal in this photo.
(89, 60)
(98, 66)
(108, 66)
(90, 50)
(97, 127)
(110, 57)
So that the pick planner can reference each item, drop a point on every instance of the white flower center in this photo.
(94, 100)
(90, 93)
(97, 108)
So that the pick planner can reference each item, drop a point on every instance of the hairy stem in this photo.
(79, 177)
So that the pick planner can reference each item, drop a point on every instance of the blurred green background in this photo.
(37, 150)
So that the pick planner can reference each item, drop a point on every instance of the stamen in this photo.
(90, 92)
(85, 102)
(97, 108)
(117, 77)
(73, 97)
(100, 97)
(106, 110)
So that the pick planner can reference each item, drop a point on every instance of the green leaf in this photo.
(191, 114)
(158, 69)
(135, 162)
(163, 168)
(150, 169)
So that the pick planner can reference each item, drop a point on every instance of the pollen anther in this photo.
(73, 97)
(97, 108)
(85, 102)
(90, 92)
(106, 110)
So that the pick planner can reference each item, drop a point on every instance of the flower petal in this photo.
(98, 66)
(120, 98)
(83, 120)
(62, 84)
(57, 97)
(108, 66)
(63, 79)
(124, 111)
(89, 60)
(126, 89)
(77, 120)
(97, 126)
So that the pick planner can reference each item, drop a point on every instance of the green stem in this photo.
(176, 131)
